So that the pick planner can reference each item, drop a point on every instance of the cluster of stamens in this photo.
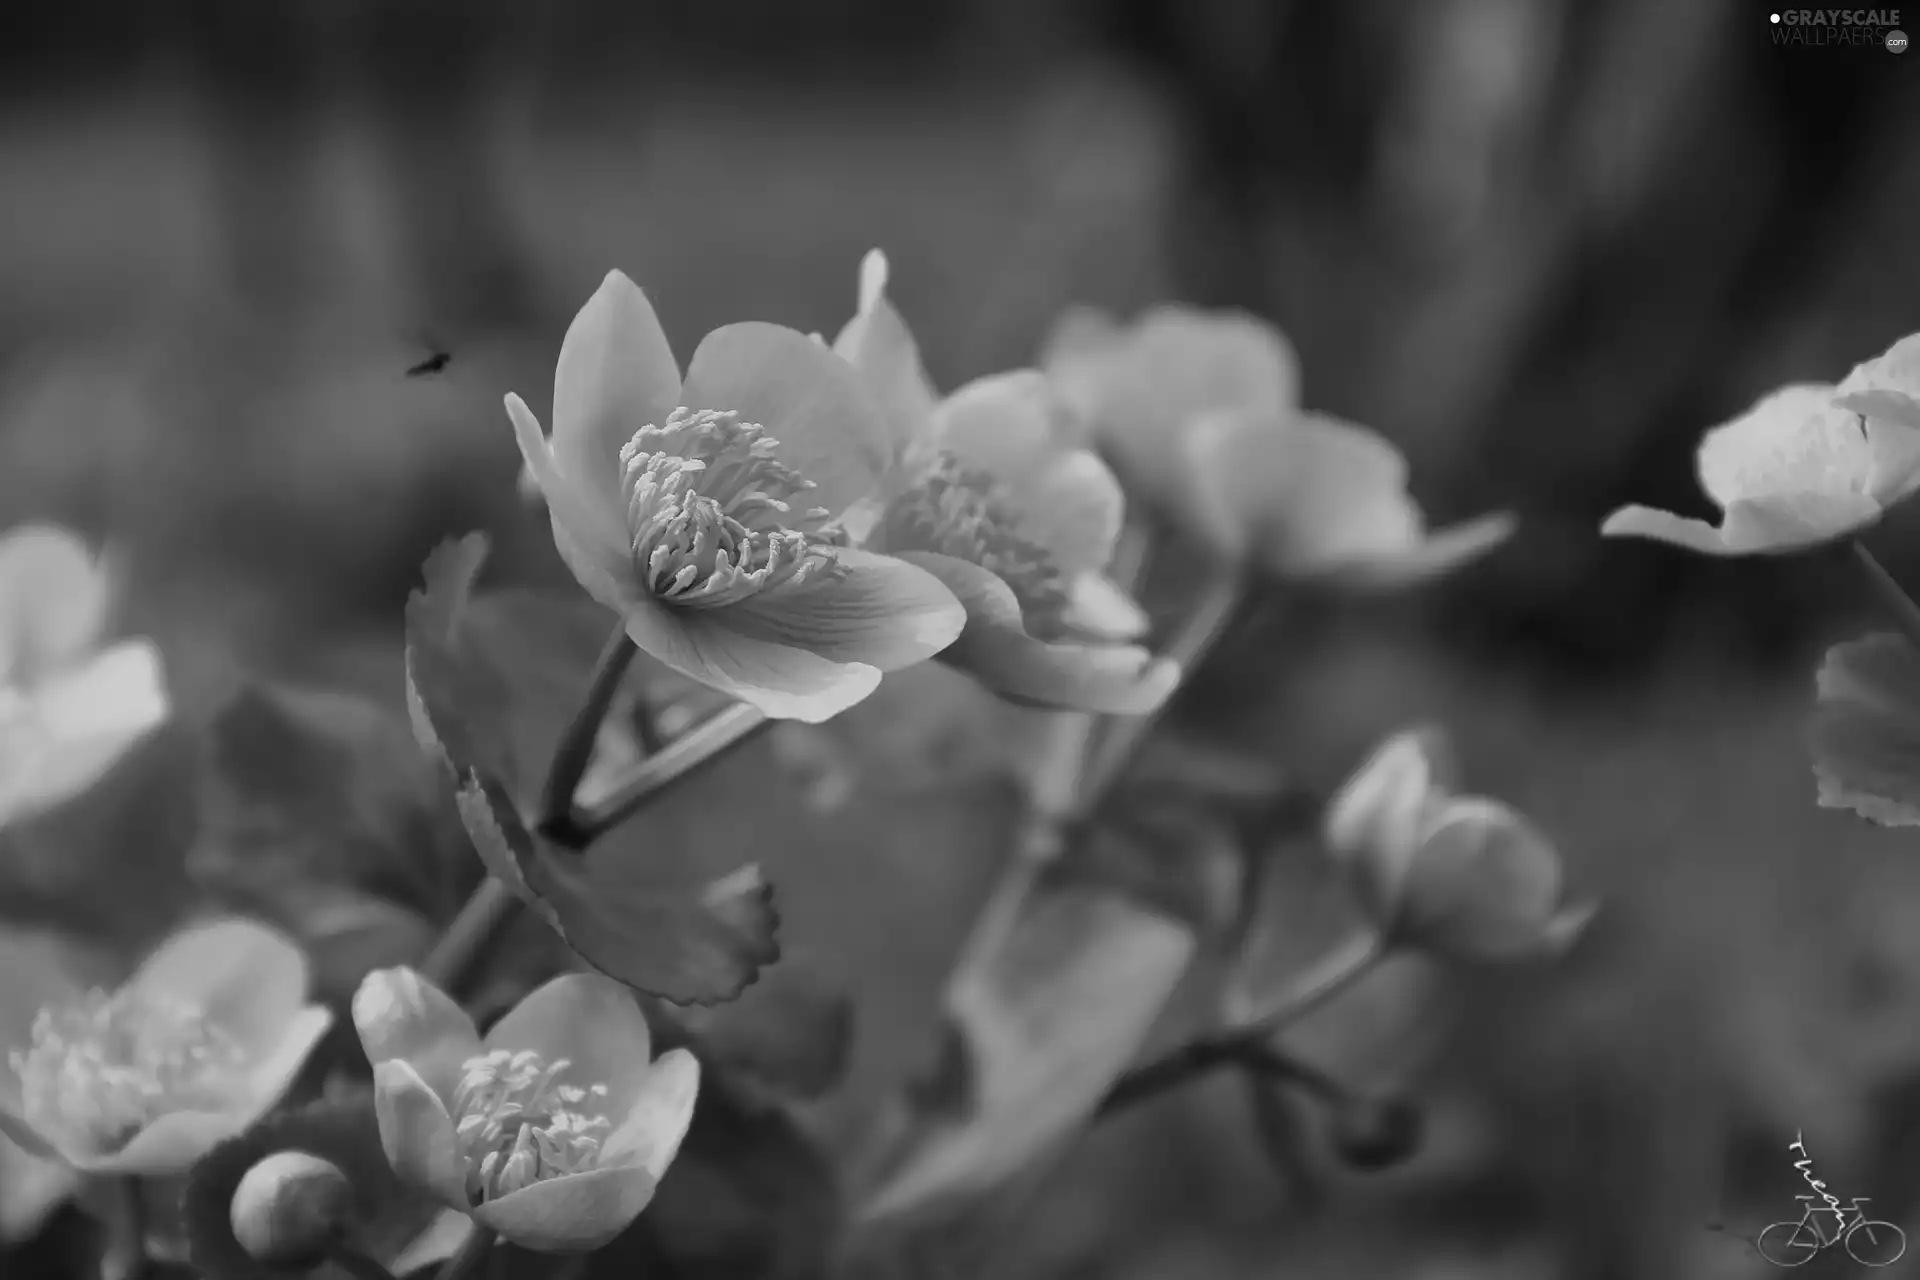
(99, 1071)
(963, 512)
(517, 1124)
(711, 510)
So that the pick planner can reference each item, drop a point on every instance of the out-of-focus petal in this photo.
(784, 682)
(807, 398)
(417, 1133)
(655, 1124)
(170, 1145)
(400, 1014)
(1073, 506)
(878, 343)
(884, 612)
(1435, 554)
(1096, 606)
(26, 1137)
(593, 1022)
(31, 1188)
(273, 1074)
(590, 536)
(575, 1213)
(1001, 424)
(248, 979)
(996, 649)
(1486, 880)
(441, 1239)
(54, 599)
(616, 374)
(75, 725)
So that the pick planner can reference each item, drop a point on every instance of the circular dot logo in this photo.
(1774, 18)
(1896, 42)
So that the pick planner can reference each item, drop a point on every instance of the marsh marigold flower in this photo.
(1460, 875)
(68, 708)
(197, 1045)
(553, 1130)
(706, 511)
(1200, 411)
(992, 492)
(1808, 464)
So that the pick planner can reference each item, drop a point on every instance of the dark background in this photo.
(1541, 244)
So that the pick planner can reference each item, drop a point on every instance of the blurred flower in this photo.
(68, 710)
(1307, 495)
(1200, 412)
(1808, 464)
(553, 1131)
(196, 1046)
(991, 492)
(1460, 875)
(712, 534)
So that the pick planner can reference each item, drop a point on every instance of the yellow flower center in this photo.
(710, 509)
(964, 512)
(517, 1124)
(100, 1071)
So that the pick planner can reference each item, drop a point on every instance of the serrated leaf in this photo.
(306, 788)
(1865, 734)
(789, 1035)
(749, 1197)
(695, 943)
(1040, 1029)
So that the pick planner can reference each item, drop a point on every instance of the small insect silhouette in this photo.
(433, 364)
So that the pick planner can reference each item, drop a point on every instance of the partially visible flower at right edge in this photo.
(1463, 876)
(69, 708)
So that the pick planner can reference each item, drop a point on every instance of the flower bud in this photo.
(1373, 1134)
(1485, 884)
(1373, 822)
(289, 1208)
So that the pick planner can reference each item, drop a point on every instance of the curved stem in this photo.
(1198, 632)
(1898, 604)
(1247, 1041)
(489, 909)
(125, 1256)
(357, 1264)
(680, 757)
(474, 1251)
(558, 821)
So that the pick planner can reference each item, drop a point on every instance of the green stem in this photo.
(489, 909)
(474, 1252)
(680, 757)
(558, 820)
(1898, 604)
(1198, 632)
(1247, 1041)
(357, 1264)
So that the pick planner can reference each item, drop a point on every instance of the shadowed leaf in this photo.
(1865, 735)
(789, 1035)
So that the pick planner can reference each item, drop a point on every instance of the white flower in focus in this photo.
(68, 708)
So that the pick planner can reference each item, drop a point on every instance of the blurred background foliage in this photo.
(1541, 244)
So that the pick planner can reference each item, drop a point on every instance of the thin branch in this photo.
(557, 816)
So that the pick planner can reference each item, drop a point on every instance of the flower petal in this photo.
(53, 600)
(1002, 424)
(1435, 554)
(77, 725)
(616, 374)
(590, 536)
(807, 398)
(878, 343)
(417, 1133)
(31, 1188)
(27, 1138)
(575, 1213)
(440, 1240)
(250, 980)
(1793, 440)
(274, 1073)
(1485, 880)
(170, 1145)
(657, 1121)
(1779, 524)
(399, 1014)
(43, 969)
(1098, 607)
(996, 649)
(784, 682)
(884, 612)
(1073, 506)
(593, 1022)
